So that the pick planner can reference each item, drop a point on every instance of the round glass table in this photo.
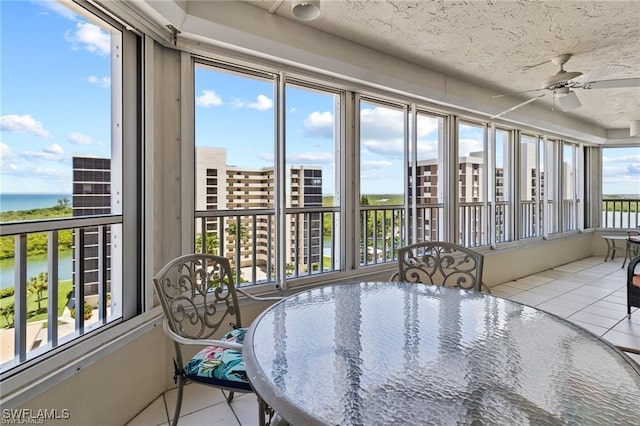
(398, 353)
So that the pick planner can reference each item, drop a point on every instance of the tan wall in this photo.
(113, 390)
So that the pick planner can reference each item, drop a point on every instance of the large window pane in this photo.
(312, 181)
(235, 170)
(502, 186)
(430, 174)
(471, 184)
(621, 187)
(531, 186)
(568, 182)
(61, 157)
(382, 177)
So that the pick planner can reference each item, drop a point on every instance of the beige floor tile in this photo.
(216, 415)
(557, 309)
(594, 319)
(155, 414)
(246, 409)
(195, 397)
(595, 329)
(622, 339)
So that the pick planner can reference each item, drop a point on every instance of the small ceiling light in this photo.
(306, 10)
(634, 128)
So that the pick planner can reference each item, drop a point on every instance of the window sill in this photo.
(43, 375)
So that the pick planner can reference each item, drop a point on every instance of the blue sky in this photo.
(55, 95)
(55, 104)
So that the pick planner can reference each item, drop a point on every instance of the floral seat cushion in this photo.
(220, 366)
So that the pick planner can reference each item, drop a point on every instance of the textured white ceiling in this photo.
(489, 42)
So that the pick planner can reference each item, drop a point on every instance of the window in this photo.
(428, 194)
(472, 184)
(62, 131)
(620, 187)
(382, 180)
(312, 147)
(502, 184)
(530, 188)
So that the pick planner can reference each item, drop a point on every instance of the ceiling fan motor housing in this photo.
(561, 79)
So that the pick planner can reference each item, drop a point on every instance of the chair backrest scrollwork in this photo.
(441, 263)
(197, 294)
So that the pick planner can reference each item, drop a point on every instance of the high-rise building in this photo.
(222, 187)
(91, 196)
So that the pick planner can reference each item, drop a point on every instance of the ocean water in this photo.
(9, 202)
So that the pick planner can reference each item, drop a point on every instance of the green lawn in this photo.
(64, 287)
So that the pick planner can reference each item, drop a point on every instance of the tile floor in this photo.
(589, 292)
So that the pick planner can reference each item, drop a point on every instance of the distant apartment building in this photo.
(223, 187)
(91, 196)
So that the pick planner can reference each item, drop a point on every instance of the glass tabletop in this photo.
(397, 353)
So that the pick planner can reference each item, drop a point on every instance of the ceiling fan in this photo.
(560, 85)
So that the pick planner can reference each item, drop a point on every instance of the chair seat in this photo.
(220, 366)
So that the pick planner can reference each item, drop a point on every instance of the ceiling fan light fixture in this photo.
(306, 10)
(569, 101)
(634, 128)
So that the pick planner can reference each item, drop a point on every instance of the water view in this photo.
(35, 265)
(16, 202)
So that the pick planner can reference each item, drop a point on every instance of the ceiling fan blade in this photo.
(516, 93)
(600, 72)
(518, 106)
(612, 84)
(528, 67)
(569, 101)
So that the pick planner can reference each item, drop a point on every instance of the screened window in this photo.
(383, 143)
(63, 153)
(235, 141)
(472, 183)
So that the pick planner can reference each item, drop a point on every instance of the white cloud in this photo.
(208, 98)
(79, 138)
(54, 149)
(381, 124)
(427, 125)
(319, 124)
(93, 38)
(467, 146)
(58, 8)
(5, 151)
(311, 158)
(51, 173)
(104, 82)
(266, 156)
(394, 148)
(23, 124)
(262, 103)
(375, 165)
(52, 152)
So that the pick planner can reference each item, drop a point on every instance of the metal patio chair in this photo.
(632, 247)
(441, 263)
(199, 299)
(633, 285)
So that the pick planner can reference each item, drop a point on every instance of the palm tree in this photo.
(37, 285)
(8, 311)
(63, 202)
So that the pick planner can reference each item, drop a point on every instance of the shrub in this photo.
(7, 292)
(88, 310)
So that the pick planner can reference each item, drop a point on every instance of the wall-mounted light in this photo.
(634, 128)
(306, 10)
